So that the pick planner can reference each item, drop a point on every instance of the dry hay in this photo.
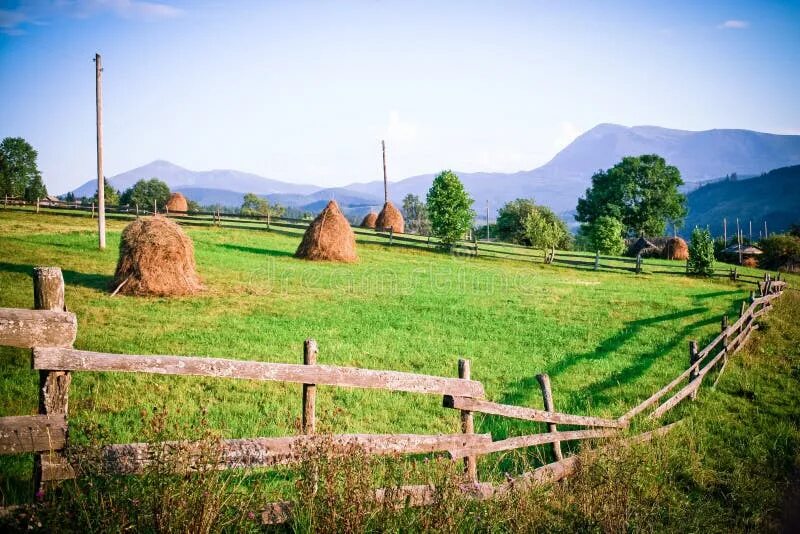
(369, 220)
(156, 258)
(329, 237)
(390, 217)
(177, 204)
(750, 261)
(676, 249)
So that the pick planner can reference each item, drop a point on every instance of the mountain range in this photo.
(700, 156)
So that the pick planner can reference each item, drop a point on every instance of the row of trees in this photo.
(19, 173)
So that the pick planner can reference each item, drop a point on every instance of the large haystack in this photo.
(177, 204)
(390, 217)
(329, 237)
(369, 220)
(156, 258)
(676, 249)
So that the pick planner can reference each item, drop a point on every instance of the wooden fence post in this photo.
(467, 425)
(37, 204)
(639, 263)
(48, 294)
(92, 210)
(391, 234)
(597, 260)
(695, 374)
(724, 330)
(547, 395)
(309, 390)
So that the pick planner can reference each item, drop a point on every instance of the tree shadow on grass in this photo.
(97, 281)
(255, 250)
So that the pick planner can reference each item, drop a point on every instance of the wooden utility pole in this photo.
(487, 219)
(751, 231)
(739, 240)
(725, 230)
(766, 234)
(385, 184)
(101, 189)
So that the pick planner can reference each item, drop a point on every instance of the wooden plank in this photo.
(80, 360)
(32, 433)
(658, 394)
(134, 458)
(37, 328)
(528, 414)
(691, 388)
(519, 442)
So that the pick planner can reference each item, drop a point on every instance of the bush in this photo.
(449, 208)
(605, 235)
(781, 251)
(510, 221)
(543, 229)
(701, 253)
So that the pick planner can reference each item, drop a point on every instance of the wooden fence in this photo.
(50, 330)
(475, 248)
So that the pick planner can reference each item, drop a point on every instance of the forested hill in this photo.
(774, 197)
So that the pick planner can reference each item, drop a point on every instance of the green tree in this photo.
(544, 229)
(416, 215)
(642, 192)
(605, 235)
(255, 205)
(18, 170)
(701, 252)
(35, 189)
(781, 251)
(193, 207)
(511, 221)
(449, 208)
(144, 192)
(110, 195)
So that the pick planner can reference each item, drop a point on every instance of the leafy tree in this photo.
(511, 218)
(780, 251)
(449, 207)
(18, 170)
(416, 215)
(701, 252)
(110, 195)
(544, 229)
(35, 189)
(605, 235)
(255, 205)
(642, 192)
(193, 207)
(69, 197)
(145, 192)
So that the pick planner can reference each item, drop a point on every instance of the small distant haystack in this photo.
(390, 217)
(156, 258)
(177, 204)
(676, 249)
(329, 237)
(369, 220)
(750, 261)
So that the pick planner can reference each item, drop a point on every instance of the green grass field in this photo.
(607, 339)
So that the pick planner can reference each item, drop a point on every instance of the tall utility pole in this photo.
(101, 186)
(487, 219)
(766, 234)
(385, 185)
(751, 231)
(725, 230)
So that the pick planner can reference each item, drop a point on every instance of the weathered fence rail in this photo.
(51, 331)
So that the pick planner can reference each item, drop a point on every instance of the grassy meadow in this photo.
(607, 340)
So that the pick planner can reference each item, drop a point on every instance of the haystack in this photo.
(676, 249)
(329, 237)
(369, 220)
(156, 258)
(390, 217)
(177, 204)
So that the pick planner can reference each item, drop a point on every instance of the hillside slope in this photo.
(774, 197)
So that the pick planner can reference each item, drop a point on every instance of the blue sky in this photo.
(304, 91)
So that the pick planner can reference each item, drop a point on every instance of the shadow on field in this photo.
(715, 294)
(255, 250)
(593, 395)
(90, 280)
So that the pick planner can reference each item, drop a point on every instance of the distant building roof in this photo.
(748, 250)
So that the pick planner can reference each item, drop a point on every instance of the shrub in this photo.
(781, 251)
(701, 253)
(605, 235)
(543, 229)
(449, 208)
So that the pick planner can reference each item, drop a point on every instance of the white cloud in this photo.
(567, 134)
(734, 24)
(45, 11)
